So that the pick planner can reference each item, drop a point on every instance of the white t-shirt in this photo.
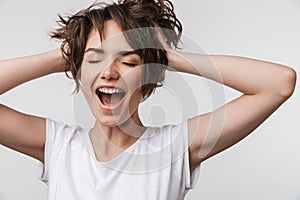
(155, 167)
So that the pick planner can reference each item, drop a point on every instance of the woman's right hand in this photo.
(61, 64)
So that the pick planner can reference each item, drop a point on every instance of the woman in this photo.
(117, 58)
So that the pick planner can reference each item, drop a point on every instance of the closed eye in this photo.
(94, 61)
(129, 64)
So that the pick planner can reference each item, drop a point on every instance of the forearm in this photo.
(246, 75)
(16, 71)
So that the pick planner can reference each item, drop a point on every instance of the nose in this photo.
(110, 72)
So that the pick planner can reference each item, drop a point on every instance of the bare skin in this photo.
(265, 87)
(22, 132)
(103, 66)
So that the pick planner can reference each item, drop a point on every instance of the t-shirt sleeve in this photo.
(191, 178)
(180, 151)
(57, 134)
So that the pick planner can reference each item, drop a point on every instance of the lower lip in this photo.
(109, 108)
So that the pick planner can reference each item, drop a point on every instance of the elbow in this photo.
(288, 82)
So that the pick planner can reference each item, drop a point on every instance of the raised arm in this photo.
(265, 86)
(19, 131)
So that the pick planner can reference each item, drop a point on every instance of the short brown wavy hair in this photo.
(130, 15)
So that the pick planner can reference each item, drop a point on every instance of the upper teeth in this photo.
(110, 90)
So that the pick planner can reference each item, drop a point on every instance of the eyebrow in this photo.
(121, 53)
(96, 50)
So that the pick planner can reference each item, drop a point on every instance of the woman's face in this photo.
(111, 76)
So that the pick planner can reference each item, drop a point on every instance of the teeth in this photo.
(110, 90)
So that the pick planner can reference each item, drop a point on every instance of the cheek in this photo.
(135, 85)
(88, 76)
(133, 80)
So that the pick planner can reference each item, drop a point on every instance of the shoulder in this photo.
(59, 133)
(172, 135)
(166, 131)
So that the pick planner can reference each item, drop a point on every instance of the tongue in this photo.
(111, 100)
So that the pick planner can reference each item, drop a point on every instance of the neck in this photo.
(110, 139)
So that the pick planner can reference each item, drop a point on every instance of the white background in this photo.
(266, 165)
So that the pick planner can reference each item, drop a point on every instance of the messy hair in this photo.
(135, 15)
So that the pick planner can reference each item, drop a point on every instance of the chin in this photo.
(110, 121)
(107, 122)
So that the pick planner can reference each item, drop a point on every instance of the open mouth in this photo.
(110, 97)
